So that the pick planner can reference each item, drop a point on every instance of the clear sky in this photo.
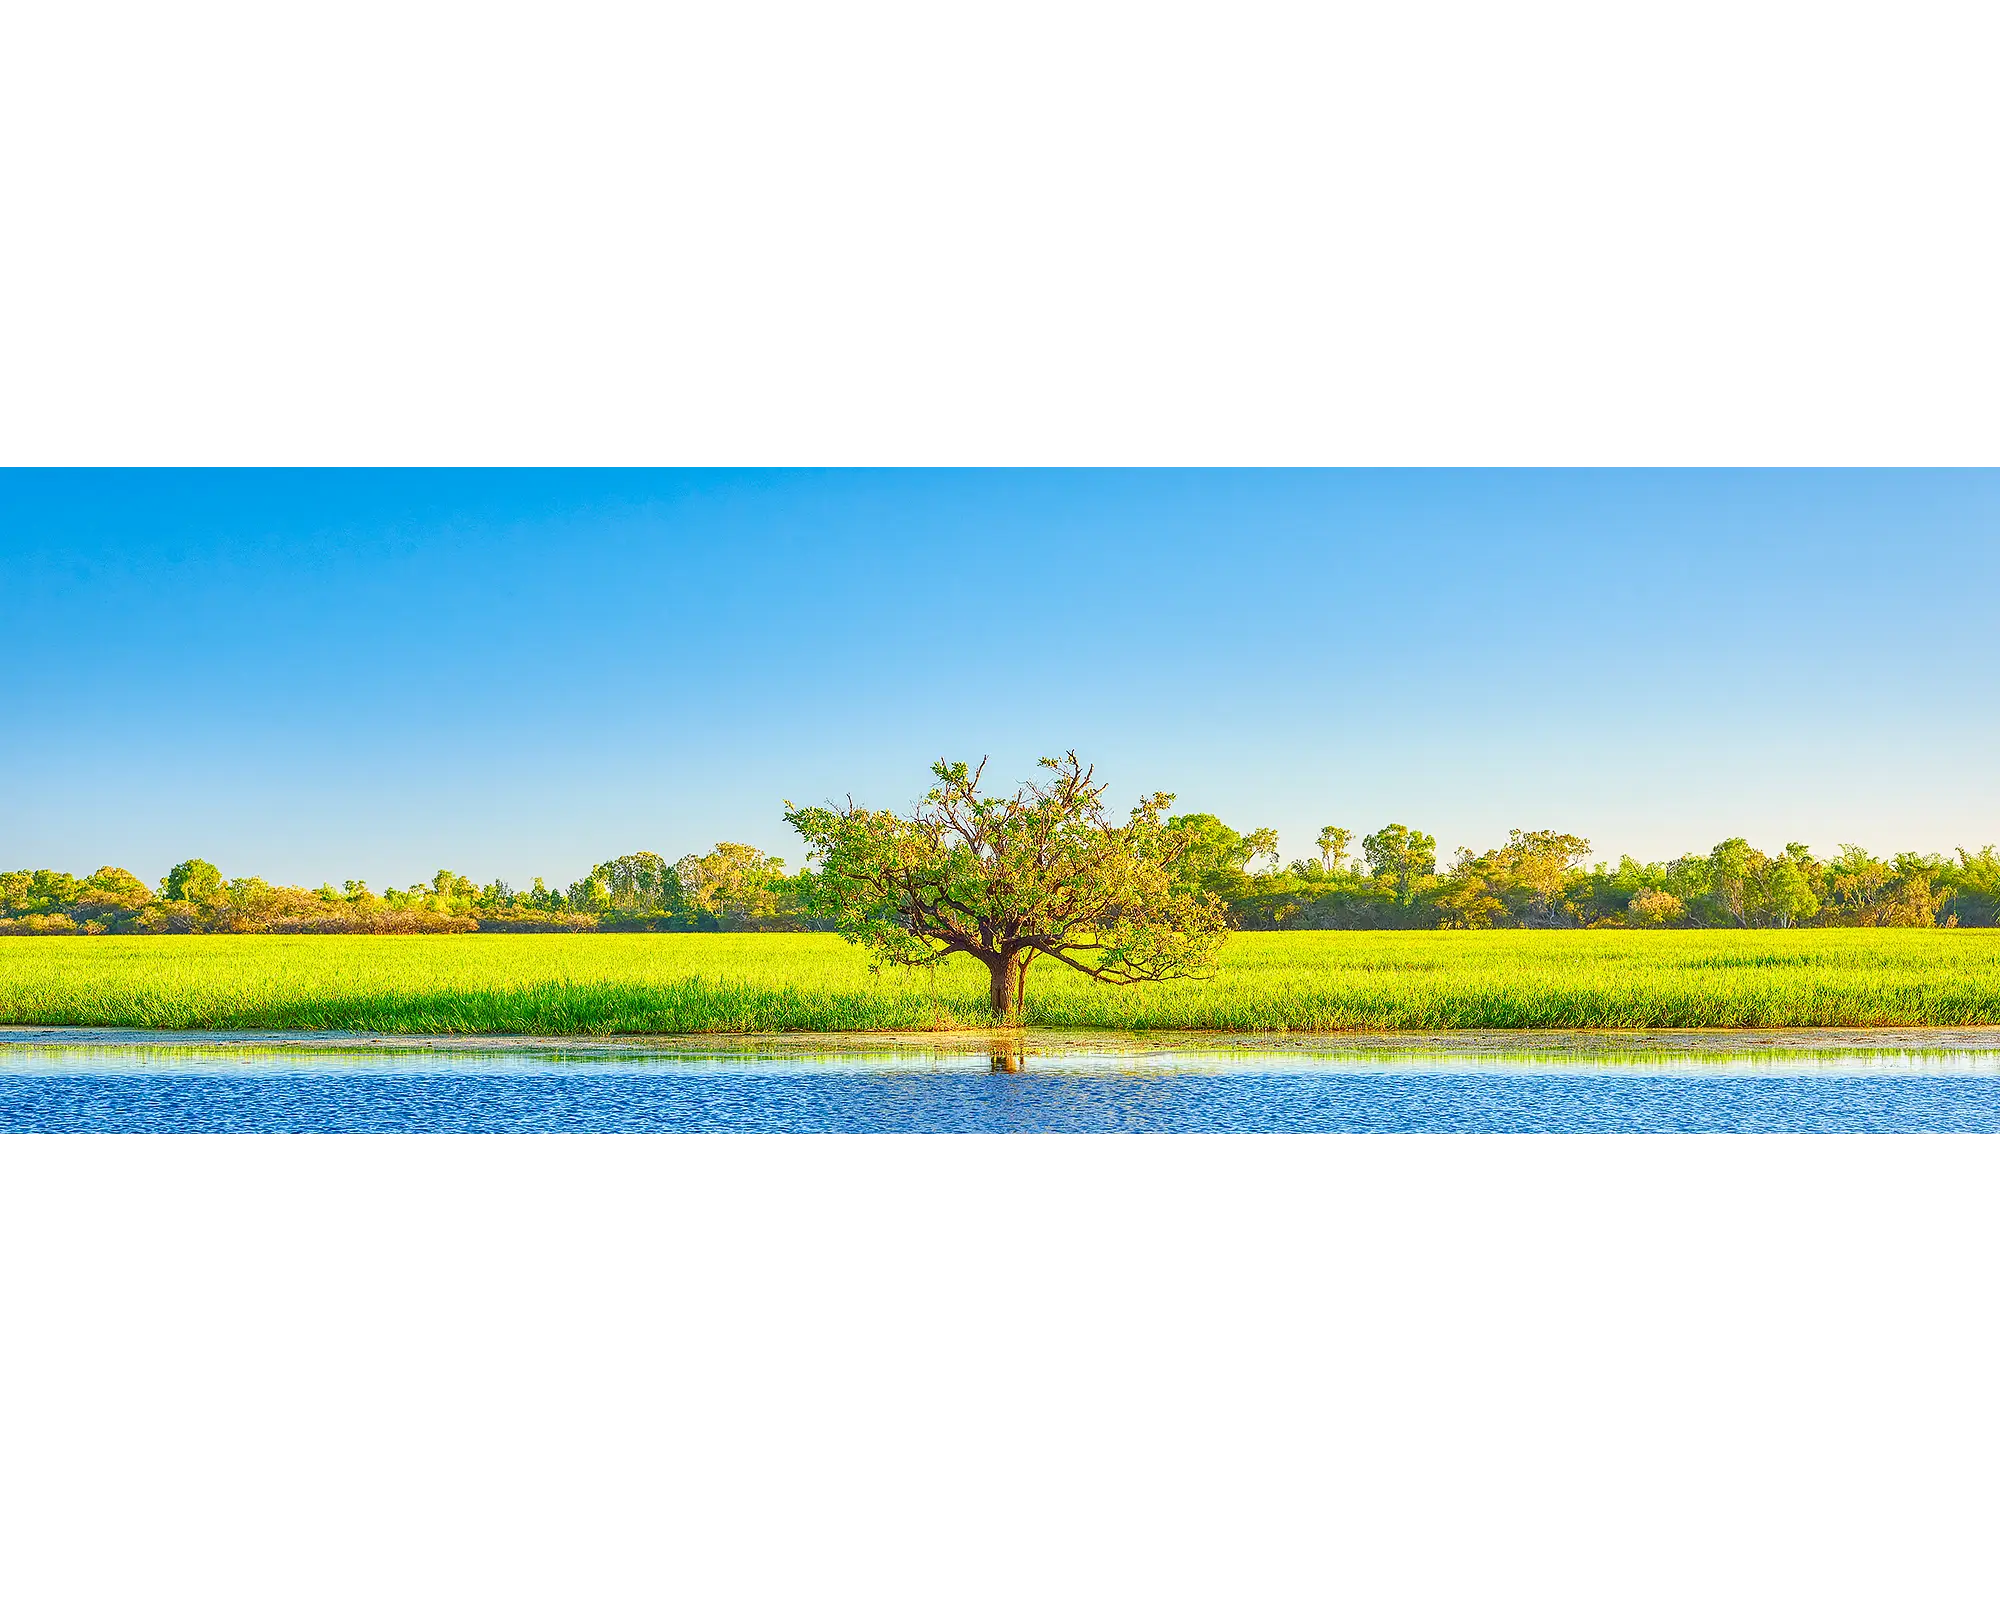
(316, 676)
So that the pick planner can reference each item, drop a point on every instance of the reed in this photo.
(741, 983)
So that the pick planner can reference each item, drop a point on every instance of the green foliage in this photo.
(736, 888)
(1973, 887)
(1532, 881)
(1262, 845)
(1333, 843)
(1535, 880)
(1208, 854)
(55, 902)
(640, 885)
(1401, 858)
(24, 894)
(111, 890)
(1655, 908)
(196, 882)
(1010, 879)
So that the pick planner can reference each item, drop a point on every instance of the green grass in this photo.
(1270, 982)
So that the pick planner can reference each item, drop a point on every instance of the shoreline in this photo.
(1052, 1041)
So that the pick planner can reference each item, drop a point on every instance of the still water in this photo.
(63, 1081)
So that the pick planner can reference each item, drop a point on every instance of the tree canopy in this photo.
(1010, 879)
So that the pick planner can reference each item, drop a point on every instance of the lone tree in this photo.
(1333, 843)
(1008, 879)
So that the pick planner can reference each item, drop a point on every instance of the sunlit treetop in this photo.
(1007, 879)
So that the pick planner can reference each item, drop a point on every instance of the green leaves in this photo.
(197, 882)
(1043, 872)
(1401, 857)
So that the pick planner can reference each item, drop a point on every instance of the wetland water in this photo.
(56, 1080)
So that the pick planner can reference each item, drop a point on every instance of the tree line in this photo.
(1537, 879)
(734, 887)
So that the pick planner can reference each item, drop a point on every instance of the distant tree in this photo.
(1261, 845)
(196, 881)
(1333, 843)
(1605, 894)
(1009, 879)
(1974, 885)
(734, 886)
(1469, 896)
(109, 896)
(641, 884)
(1686, 878)
(1916, 893)
(1788, 898)
(1737, 885)
(1855, 884)
(641, 881)
(1654, 908)
(1733, 870)
(1539, 865)
(1532, 881)
(1402, 858)
(114, 886)
(37, 893)
(1208, 853)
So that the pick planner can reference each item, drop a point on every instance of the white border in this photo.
(1084, 233)
(1396, 1366)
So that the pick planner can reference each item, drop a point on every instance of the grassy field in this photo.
(710, 983)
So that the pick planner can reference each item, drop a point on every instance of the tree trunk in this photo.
(1007, 988)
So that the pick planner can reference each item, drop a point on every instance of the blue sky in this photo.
(315, 676)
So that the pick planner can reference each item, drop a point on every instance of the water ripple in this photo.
(540, 1096)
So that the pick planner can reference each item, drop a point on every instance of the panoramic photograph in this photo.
(957, 803)
(1146, 802)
